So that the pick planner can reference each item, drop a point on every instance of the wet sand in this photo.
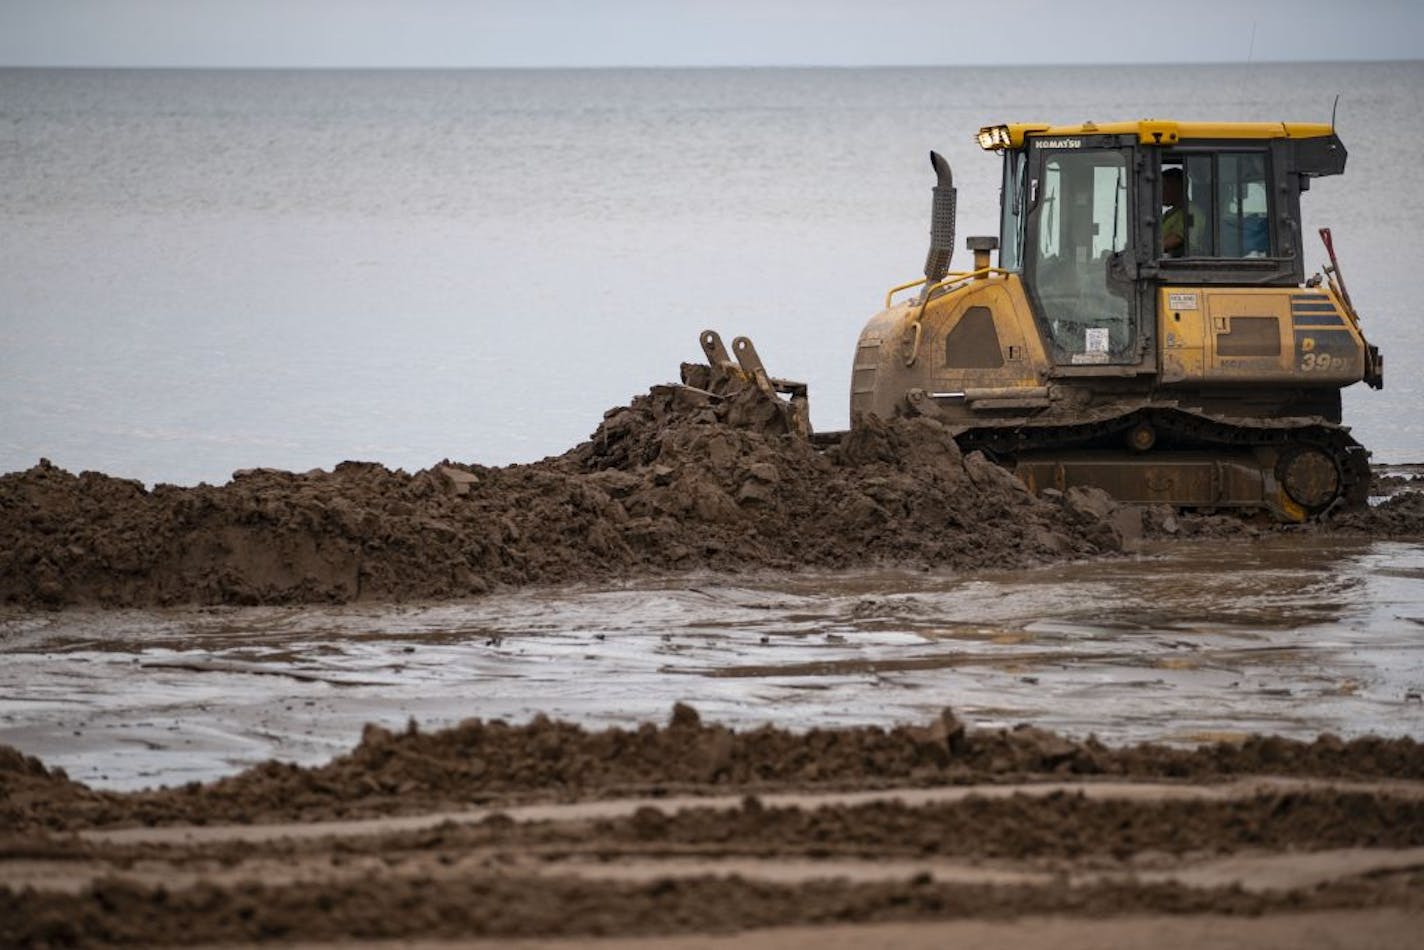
(1186, 642)
(934, 823)
(1381, 929)
(916, 830)
(366, 706)
(918, 835)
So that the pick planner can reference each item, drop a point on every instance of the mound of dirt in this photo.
(483, 762)
(681, 479)
(1061, 824)
(500, 907)
(1401, 515)
(28, 789)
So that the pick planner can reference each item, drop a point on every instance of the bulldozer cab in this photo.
(1096, 219)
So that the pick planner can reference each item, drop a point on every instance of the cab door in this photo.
(1079, 252)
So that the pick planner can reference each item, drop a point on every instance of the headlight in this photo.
(994, 137)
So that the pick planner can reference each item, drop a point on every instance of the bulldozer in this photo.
(1148, 329)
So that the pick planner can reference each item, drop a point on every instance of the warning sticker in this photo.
(1181, 301)
(1095, 340)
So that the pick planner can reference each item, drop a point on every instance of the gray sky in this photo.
(451, 33)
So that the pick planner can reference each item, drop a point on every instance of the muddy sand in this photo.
(673, 834)
(681, 479)
(549, 830)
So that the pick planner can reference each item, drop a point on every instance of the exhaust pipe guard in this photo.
(941, 223)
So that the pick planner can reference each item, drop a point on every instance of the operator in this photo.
(1174, 218)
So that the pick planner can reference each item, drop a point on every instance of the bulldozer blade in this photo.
(748, 368)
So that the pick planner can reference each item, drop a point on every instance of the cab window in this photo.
(1013, 201)
(1215, 205)
(1244, 222)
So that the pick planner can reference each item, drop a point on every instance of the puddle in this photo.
(1294, 636)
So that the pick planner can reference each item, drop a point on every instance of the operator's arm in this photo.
(1174, 232)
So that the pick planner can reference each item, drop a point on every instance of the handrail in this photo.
(948, 280)
(899, 287)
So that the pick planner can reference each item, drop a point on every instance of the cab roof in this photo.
(1152, 131)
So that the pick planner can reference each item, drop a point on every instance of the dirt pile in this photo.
(1401, 515)
(1388, 478)
(504, 908)
(481, 762)
(681, 479)
(28, 789)
(1057, 825)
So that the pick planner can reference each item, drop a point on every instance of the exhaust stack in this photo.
(941, 224)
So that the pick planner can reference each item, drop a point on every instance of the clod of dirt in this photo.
(681, 479)
(1166, 522)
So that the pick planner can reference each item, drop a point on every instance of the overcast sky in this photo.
(464, 33)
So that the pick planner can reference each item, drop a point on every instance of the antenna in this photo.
(1251, 49)
(1332, 112)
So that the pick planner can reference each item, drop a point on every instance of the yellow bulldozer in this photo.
(1149, 327)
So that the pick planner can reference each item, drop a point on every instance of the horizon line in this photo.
(696, 66)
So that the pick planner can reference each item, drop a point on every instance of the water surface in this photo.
(208, 271)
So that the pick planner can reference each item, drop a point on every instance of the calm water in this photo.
(206, 271)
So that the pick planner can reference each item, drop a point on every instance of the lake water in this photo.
(207, 271)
